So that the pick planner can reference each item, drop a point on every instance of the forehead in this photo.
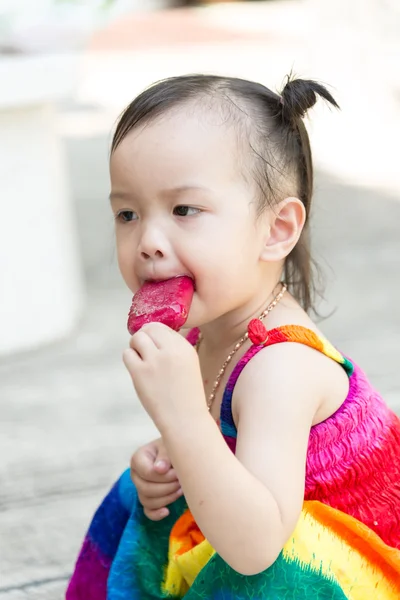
(185, 142)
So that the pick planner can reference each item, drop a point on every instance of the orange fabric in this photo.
(186, 533)
(360, 537)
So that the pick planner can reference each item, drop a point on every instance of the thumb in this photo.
(162, 463)
(142, 461)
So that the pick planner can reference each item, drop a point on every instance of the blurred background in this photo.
(69, 420)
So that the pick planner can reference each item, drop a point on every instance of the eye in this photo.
(184, 211)
(125, 216)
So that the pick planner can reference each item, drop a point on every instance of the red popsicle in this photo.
(165, 302)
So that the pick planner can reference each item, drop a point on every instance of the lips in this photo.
(160, 279)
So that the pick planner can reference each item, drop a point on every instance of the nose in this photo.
(153, 243)
(156, 254)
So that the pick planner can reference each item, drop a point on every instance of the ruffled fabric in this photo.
(330, 554)
(353, 458)
(346, 543)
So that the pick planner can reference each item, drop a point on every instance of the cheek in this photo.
(125, 257)
(226, 262)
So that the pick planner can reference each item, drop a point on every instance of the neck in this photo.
(222, 334)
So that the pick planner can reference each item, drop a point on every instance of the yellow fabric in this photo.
(326, 540)
(331, 541)
(183, 569)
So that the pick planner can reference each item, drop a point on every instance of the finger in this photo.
(143, 344)
(156, 515)
(132, 361)
(166, 477)
(156, 490)
(161, 334)
(142, 461)
(162, 462)
(153, 477)
(162, 466)
(156, 503)
(142, 471)
(150, 488)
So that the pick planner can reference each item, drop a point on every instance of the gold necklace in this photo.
(238, 345)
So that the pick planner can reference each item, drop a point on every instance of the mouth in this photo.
(162, 279)
(166, 301)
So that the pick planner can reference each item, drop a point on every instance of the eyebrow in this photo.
(118, 196)
(176, 191)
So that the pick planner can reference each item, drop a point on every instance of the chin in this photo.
(190, 323)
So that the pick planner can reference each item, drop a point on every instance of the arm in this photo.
(260, 491)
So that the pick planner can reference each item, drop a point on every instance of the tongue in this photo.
(165, 302)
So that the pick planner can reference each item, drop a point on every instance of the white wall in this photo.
(41, 292)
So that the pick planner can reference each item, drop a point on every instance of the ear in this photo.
(285, 226)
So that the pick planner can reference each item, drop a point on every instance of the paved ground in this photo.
(69, 419)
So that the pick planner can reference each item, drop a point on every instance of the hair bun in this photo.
(299, 95)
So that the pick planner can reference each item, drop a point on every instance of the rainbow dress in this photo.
(346, 544)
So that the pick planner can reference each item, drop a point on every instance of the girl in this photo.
(286, 463)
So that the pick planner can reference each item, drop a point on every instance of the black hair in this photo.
(273, 126)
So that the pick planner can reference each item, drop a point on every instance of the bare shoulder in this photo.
(307, 384)
(288, 377)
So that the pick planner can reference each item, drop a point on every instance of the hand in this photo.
(155, 479)
(165, 372)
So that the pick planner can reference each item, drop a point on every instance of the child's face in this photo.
(185, 208)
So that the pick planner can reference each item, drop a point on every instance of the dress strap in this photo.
(303, 335)
(285, 333)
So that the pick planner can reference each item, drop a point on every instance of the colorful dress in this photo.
(346, 544)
